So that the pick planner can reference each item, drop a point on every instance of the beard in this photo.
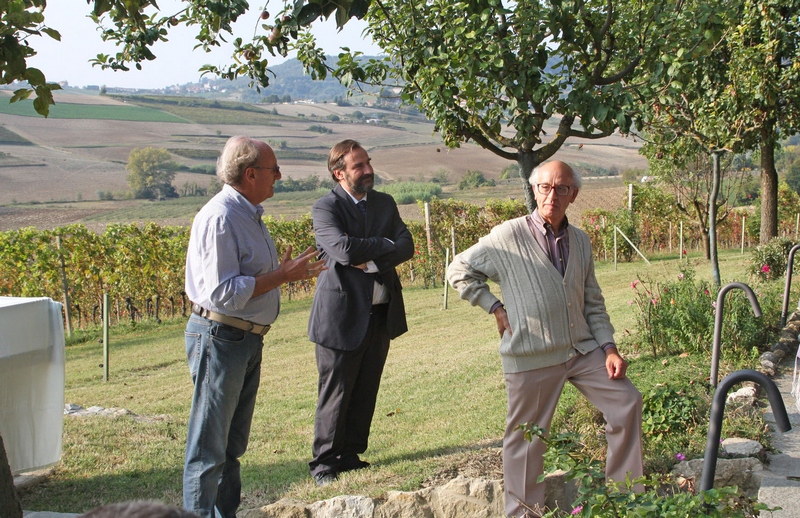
(363, 185)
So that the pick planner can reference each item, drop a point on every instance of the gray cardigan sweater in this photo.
(551, 317)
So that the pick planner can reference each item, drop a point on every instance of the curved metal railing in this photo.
(718, 323)
(718, 409)
(789, 268)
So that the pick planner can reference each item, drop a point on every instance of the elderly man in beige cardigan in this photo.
(553, 328)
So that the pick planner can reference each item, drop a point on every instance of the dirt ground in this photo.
(484, 461)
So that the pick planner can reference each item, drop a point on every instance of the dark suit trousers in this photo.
(348, 390)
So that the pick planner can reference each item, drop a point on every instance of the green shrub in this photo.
(661, 497)
(667, 409)
(628, 222)
(679, 316)
(317, 128)
(474, 179)
(674, 316)
(769, 261)
(405, 193)
(597, 223)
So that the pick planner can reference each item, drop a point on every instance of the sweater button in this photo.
(571, 324)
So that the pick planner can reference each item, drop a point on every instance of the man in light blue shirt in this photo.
(233, 278)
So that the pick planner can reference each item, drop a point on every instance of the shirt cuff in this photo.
(608, 345)
(497, 305)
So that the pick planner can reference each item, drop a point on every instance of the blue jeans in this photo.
(225, 364)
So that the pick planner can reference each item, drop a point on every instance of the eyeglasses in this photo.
(277, 169)
(561, 190)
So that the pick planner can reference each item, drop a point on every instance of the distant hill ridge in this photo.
(290, 80)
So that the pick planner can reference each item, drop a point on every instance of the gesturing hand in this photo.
(301, 267)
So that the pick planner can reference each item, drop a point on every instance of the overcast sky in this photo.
(176, 62)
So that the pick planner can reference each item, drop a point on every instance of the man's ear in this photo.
(338, 174)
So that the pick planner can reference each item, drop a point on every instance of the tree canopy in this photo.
(518, 78)
(728, 78)
(150, 173)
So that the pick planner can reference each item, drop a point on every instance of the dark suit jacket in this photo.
(343, 299)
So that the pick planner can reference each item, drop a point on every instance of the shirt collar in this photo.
(542, 227)
(255, 210)
(355, 200)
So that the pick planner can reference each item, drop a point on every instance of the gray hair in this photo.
(238, 154)
(576, 176)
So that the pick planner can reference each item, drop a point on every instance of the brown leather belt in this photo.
(238, 323)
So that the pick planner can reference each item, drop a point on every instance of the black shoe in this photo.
(352, 464)
(323, 478)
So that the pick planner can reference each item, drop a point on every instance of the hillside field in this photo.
(53, 173)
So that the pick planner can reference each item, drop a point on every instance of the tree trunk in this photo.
(769, 188)
(712, 218)
(527, 163)
(9, 502)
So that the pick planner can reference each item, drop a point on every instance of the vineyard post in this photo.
(105, 336)
(444, 277)
(680, 249)
(744, 218)
(430, 241)
(428, 229)
(630, 196)
(615, 248)
(796, 226)
(453, 239)
(65, 285)
(670, 237)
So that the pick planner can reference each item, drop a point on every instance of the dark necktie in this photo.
(362, 206)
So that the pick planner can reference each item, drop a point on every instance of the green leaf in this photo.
(34, 76)
(52, 33)
(308, 14)
(20, 95)
(359, 8)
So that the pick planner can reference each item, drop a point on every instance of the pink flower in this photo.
(680, 456)
(684, 251)
(577, 510)
(634, 284)
(680, 276)
(705, 292)
(654, 301)
(765, 268)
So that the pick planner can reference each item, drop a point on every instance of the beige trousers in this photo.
(532, 398)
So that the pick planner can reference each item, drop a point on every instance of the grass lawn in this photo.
(442, 394)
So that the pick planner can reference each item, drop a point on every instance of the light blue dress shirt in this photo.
(230, 245)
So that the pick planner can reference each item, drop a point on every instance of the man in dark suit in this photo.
(357, 309)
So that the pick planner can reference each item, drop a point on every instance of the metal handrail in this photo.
(789, 268)
(718, 323)
(718, 409)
